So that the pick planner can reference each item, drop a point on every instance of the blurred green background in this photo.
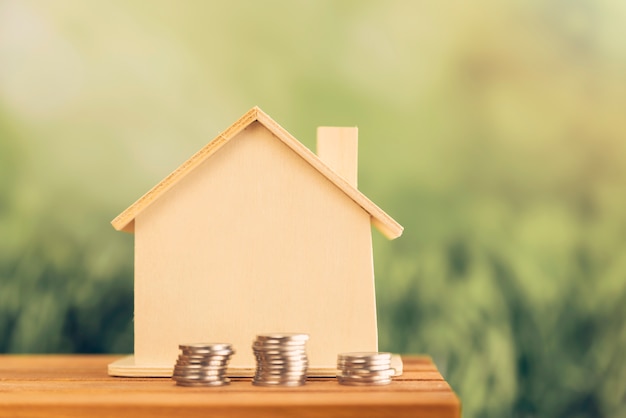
(495, 132)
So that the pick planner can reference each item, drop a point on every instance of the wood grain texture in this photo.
(74, 386)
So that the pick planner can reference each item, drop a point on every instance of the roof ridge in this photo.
(387, 225)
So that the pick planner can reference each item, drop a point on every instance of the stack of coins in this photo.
(364, 369)
(202, 364)
(281, 359)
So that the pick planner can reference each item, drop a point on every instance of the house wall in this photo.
(254, 240)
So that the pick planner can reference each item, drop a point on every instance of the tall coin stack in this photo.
(281, 359)
(364, 369)
(202, 364)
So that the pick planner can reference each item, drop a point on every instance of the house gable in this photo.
(387, 225)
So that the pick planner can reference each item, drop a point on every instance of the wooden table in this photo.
(71, 386)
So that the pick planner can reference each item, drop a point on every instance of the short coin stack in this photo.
(364, 369)
(281, 359)
(203, 364)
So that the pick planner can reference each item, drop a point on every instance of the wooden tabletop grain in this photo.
(73, 386)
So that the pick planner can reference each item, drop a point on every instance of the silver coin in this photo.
(282, 336)
(278, 383)
(270, 373)
(366, 368)
(178, 373)
(292, 367)
(371, 376)
(204, 358)
(297, 339)
(282, 345)
(357, 378)
(259, 382)
(206, 346)
(348, 382)
(282, 342)
(212, 363)
(213, 356)
(363, 365)
(190, 366)
(204, 384)
(199, 366)
(365, 372)
(277, 361)
(287, 364)
(279, 379)
(285, 356)
(364, 356)
(285, 347)
(379, 373)
(205, 370)
(282, 370)
(279, 349)
(291, 376)
(280, 353)
(378, 364)
(265, 366)
(217, 354)
(363, 361)
(202, 367)
(199, 373)
(199, 378)
(184, 363)
(197, 363)
(279, 357)
(381, 366)
(195, 378)
(284, 360)
(280, 373)
(206, 352)
(372, 355)
(202, 363)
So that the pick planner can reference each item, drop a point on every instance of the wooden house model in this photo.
(255, 233)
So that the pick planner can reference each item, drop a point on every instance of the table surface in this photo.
(70, 385)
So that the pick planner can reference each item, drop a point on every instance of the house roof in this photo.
(125, 221)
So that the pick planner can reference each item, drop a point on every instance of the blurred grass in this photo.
(493, 131)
